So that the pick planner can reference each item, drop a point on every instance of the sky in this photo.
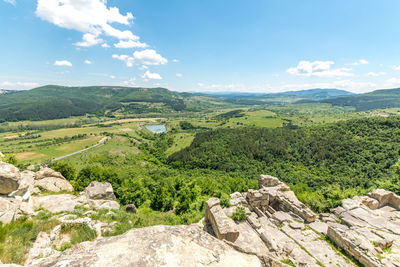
(201, 45)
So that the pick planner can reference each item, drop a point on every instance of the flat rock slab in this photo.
(185, 246)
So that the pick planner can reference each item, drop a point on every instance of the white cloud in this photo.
(179, 75)
(89, 39)
(143, 67)
(91, 17)
(200, 84)
(130, 44)
(175, 60)
(105, 45)
(151, 76)
(318, 69)
(144, 57)
(376, 74)
(360, 62)
(149, 57)
(130, 82)
(88, 62)
(19, 85)
(397, 67)
(111, 76)
(12, 2)
(65, 63)
(393, 82)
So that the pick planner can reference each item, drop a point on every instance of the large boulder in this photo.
(223, 226)
(54, 184)
(47, 172)
(99, 190)
(154, 246)
(57, 203)
(26, 186)
(9, 178)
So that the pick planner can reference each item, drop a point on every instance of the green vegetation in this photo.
(16, 238)
(78, 232)
(323, 164)
(288, 262)
(239, 214)
(379, 99)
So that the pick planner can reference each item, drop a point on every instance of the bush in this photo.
(239, 214)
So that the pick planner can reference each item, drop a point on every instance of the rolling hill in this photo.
(386, 98)
(279, 98)
(53, 102)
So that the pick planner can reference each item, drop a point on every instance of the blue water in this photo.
(156, 128)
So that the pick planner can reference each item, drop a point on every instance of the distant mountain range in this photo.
(278, 98)
(53, 102)
(386, 98)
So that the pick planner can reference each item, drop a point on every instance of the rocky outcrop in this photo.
(155, 246)
(100, 190)
(9, 178)
(274, 195)
(51, 181)
(369, 229)
(222, 225)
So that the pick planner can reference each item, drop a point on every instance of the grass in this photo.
(16, 238)
(288, 262)
(78, 232)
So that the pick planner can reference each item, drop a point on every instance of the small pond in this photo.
(156, 128)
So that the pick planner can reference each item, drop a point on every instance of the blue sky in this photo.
(207, 45)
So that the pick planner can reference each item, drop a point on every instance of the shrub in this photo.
(239, 214)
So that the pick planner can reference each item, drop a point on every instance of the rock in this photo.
(54, 184)
(131, 208)
(31, 168)
(104, 204)
(56, 203)
(9, 178)
(154, 246)
(223, 226)
(385, 197)
(98, 190)
(45, 172)
(296, 225)
(253, 221)
(26, 184)
(385, 243)
(8, 209)
(319, 227)
(281, 217)
(237, 199)
(41, 248)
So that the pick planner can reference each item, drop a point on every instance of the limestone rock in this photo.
(47, 172)
(56, 203)
(223, 226)
(99, 190)
(9, 178)
(131, 208)
(104, 204)
(8, 209)
(54, 184)
(154, 246)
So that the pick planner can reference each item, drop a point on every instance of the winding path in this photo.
(106, 138)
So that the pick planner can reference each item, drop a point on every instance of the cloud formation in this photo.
(130, 44)
(19, 85)
(144, 57)
(62, 63)
(360, 62)
(88, 62)
(318, 69)
(151, 76)
(91, 17)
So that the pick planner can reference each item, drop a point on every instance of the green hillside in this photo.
(379, 99)
(323, 163)
(53, 102)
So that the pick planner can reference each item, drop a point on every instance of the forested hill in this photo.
(52, 102)
(279, 98)
(324, 164)
(388, 98)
